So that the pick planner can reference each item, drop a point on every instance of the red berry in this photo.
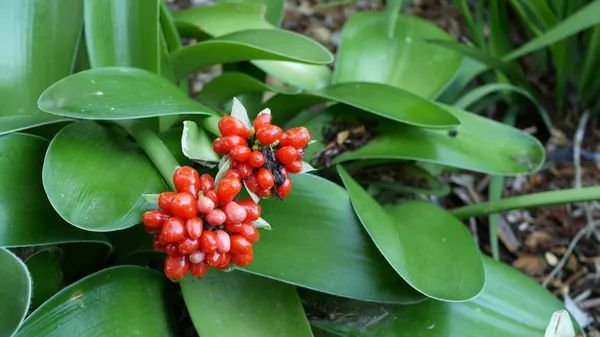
(295, 167)
(243, 260)
(268, 134)
(262, 120)
(186, 179)
(231, 126)
(252, 184)
(284, 189)
(257, 159)
(228, 188)
(197, 256)
(208, 242)
(234, 212)
(223, 241)
(176, 267)
(241, 153)
(286, 155)
(225, 262)
(224, 145)
(205, 205)
(233, 227)
(207, 183)
(215, 259)
(264, 193)
(194, 227)
(164, 201)
(215, 217)
(183, 205)
(199, 269)
(245, 170)
(250, 232)
(253, 209)
(297, 137)
(232, 173)
(155, 218)
(152, 230)
(157, 245)
(173, 230)
(212, 195)
(171, 249)
(240, 245)
(264, 178)
(188, 246)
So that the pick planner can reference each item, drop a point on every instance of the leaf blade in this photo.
(15, 293)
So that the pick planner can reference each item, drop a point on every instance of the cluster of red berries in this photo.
(201, 227)
(264, 155)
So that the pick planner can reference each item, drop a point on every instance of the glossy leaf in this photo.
(14, 293)
(511, 304)
(475, 146)
(114, 93)
(224, 19)
(97, 304)
(423, 243)
(318, 243)
(94, 177)
(252, 44)
(38, 45)
(223, 88)
(369, 52)
(46, 274)
(254, 306)
(112, 26)
(26, 216)
(275, 9)
(196, 145)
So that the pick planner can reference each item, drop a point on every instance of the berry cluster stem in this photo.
(156, 150)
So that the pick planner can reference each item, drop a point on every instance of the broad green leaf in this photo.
(286, 108)
(423, 243)
(272, 10)
(584, 18)
(115, 93)
(241, 304)
(95, 177)
(480, 145)
(46, 274)
(118, 301)
(223, 88)
(511, 304)
(122, 33)
(27, 218)
(38, 44)
(168, 28)
(318, 243)
(399, 58)
(15, 292)
(252, 44)
(227, 18)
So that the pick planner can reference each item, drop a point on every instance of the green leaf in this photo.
(196, 145)
(318, 243)
(253, 44)
(511, 304)
(27, 218)
(223, 88)
(423, 243)
(241, 304)
(94, 177)
(275, 9)
(115, 93)
(14, 293)
(584, 18)
(475, 146)
(46, 274)
(39, 44)
(122, 33)
(98, 304)
(368, 53)
(224, 19)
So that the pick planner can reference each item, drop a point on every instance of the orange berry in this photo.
(215, 259)
(188, 246)
(264, 178)
(240, 153)
(268, 134)
(164, 201)
(257, 159)
(199, 269)
(207, 183)
(176, 267)
(215, 217)
(183, 205)
(232, 126)
(250, 232)
(286, 155)
(228, 188)
(173, 230)
(186, 179)
(234, 212)
(155, 218)
(253, 209)
(297, 137)
(243, 260)
(223, 241)
(240, 245)
(261, 121)
(294, 167)
(208, 242)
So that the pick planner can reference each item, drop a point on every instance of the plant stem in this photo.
(156, 150)
(529, 201)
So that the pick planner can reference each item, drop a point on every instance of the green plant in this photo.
(92, 121)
